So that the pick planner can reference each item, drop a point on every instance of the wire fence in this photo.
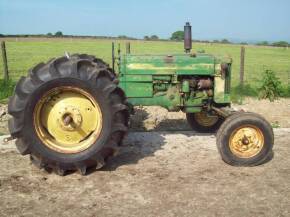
(22, 55)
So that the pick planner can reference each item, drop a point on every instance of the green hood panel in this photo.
(167, 64)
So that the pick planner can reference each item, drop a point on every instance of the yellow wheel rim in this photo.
(246, 141)
(67, 120)
(203, 119)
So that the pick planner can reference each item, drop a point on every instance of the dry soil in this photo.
(166, 172)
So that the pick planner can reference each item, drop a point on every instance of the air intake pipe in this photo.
(187, 38)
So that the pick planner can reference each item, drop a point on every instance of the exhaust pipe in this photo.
(187, 38)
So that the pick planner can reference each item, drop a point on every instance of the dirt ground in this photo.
(167, 172)
(3, 120)
(156, 174)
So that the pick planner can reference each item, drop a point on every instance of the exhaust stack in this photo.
(187, 38)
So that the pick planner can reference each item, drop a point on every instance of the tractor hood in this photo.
(200, 64)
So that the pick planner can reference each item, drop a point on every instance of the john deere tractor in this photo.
(73, 112)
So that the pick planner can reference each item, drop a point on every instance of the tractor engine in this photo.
(186, 82)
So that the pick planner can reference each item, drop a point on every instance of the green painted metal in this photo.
(169, 64)
(165, 80)
(185, 86)
(170, 100)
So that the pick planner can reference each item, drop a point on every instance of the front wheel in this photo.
(245, 139)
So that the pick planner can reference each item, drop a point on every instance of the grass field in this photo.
(25, 53)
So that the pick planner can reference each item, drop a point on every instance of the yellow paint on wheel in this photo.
(68, 120)
(203, 119)
(246, 141)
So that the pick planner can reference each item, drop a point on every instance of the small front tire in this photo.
(245, 139)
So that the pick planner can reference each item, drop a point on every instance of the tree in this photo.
(177, 36)
(225, 41)
(263, 43)
(58, 34)
(146, 38)
(154, 37)
(280, 44)
(216, 41)
(49, 34)
(122, 36)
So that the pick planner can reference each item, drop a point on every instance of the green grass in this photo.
(6, 90)
(24, 54)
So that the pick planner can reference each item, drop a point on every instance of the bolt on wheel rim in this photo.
(67, 120)
(246, 141)
(205, 120)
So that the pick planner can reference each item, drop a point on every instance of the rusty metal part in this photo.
(193, 83)
(70, 117)
(224, 70)
(224, 67)
(209, 92)
(224, 112)
(205, 83)
(67, 120)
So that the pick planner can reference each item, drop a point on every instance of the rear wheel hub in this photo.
(68, 120)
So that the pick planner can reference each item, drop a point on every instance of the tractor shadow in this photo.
(142, 121)
(143, 143)
(138, 146)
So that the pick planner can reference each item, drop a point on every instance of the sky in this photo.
(244, 20)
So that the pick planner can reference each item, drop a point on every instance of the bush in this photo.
(271, 87)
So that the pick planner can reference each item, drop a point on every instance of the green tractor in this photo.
(73, 112)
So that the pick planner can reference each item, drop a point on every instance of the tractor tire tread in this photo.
(63, 67)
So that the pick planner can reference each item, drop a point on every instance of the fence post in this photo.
(128, 48)
(5, 64)
(242, 66)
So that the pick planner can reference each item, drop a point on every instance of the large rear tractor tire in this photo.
(69, 114)
(245, 139)
(202, 122)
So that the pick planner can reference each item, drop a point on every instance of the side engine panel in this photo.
(175, 82)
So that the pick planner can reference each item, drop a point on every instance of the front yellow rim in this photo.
(205, 120)
(68, 120)
(246, 141)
